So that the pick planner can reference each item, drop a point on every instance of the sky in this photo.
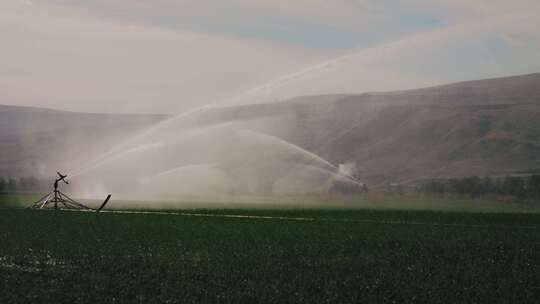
(166, 56)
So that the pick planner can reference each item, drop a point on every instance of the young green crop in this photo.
(338, 256)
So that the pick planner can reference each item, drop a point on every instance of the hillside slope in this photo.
(38, 141)
(485, 127)
(488, 127)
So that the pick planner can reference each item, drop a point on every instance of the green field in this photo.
(263, 255)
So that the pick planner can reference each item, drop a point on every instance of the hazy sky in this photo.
(169, 56)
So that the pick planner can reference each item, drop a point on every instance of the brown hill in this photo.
(37, 141)
(485, 127)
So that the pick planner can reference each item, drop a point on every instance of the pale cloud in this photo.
(79, 63)
(487, 7)
(311, 23)
(427, 58)
(521, 34)
(354, 14)
(142, 56)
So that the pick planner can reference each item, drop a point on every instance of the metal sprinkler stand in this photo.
(59, 200)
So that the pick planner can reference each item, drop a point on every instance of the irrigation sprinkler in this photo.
(58, 200)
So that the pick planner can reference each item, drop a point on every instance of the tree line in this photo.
(474, 186)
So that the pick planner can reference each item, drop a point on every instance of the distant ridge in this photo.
(481, 127)
(35, 140)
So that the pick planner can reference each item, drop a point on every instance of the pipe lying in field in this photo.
(104, 203)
